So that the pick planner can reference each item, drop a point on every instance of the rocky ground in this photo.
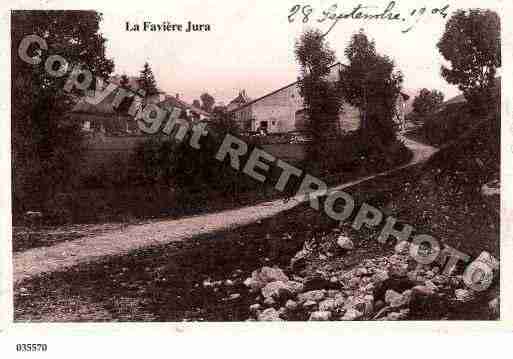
(330, 270)
(301, 265)
(454, 197)
(392, 287)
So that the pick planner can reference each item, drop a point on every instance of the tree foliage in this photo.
(207, 101)
(46, 147)
(321, 96)
(124, 81)
(147, 81)
(471, 44)
(427, 101)
(371, 83)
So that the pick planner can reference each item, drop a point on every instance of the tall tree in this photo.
(207, 102)
(124, 81)
(147, 81)
(124, 106)
(196, 103)
(321, 96)
(372, 84)
(45, 146)
(427, 101)
(472, 44)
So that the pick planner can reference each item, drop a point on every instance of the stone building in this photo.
(283, 110)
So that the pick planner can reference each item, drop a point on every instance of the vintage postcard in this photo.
(184, 162)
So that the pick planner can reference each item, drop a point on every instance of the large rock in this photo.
(426, 290)
(259, 278)
(422, 291)
(328, 305)
(488, 259)
(352, 314)
(291, 305)
(313, 295)
(492, 188)
(464, 295)
(402, 247)
(269, 302)
(309, 304)
(354, 282)
(396, 300)
(299, 260)
(363, 304)
(380, 276)
(403, 314)
(269, 315)
(398, 270)
(279, 290)
(345, 243)
(494, 306)
(320, 315)
(275, 290)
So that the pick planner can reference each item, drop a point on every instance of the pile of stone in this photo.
(383, 288)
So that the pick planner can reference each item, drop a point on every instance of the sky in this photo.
(251, 44)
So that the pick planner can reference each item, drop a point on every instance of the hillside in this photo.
(328, 271)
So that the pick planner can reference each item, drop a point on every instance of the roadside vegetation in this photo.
(300, 264)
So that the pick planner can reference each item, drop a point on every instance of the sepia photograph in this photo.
(251, 162)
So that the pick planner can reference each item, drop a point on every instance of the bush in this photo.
(355, 156)
(176, 164)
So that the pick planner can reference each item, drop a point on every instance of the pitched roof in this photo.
(405, 96)
(133, 82)
(275, 91)
(241, 98)
(170, 102)
(103, 108)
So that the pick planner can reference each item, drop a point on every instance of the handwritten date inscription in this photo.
(333, 15)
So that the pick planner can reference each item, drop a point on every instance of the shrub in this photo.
(164, 161)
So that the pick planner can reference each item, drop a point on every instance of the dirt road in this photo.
(35, 261)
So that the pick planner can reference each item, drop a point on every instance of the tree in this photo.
(372, 84)
(427, 101)
(207, 102)
(471, 43)
(124, 81)
(125, 104)
(147, 81)
(321, 97)
(196, 103)
(46, 147)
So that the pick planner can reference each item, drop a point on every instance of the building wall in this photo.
(281, 110)
(243, 118)
(278, 109)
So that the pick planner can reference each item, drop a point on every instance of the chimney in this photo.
(177, 96)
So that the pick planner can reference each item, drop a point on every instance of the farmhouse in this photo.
(111, 134)
(283, 110)
(113, 119)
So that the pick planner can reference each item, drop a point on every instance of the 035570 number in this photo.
(31, 347)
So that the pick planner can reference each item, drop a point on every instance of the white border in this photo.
(165, 331)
